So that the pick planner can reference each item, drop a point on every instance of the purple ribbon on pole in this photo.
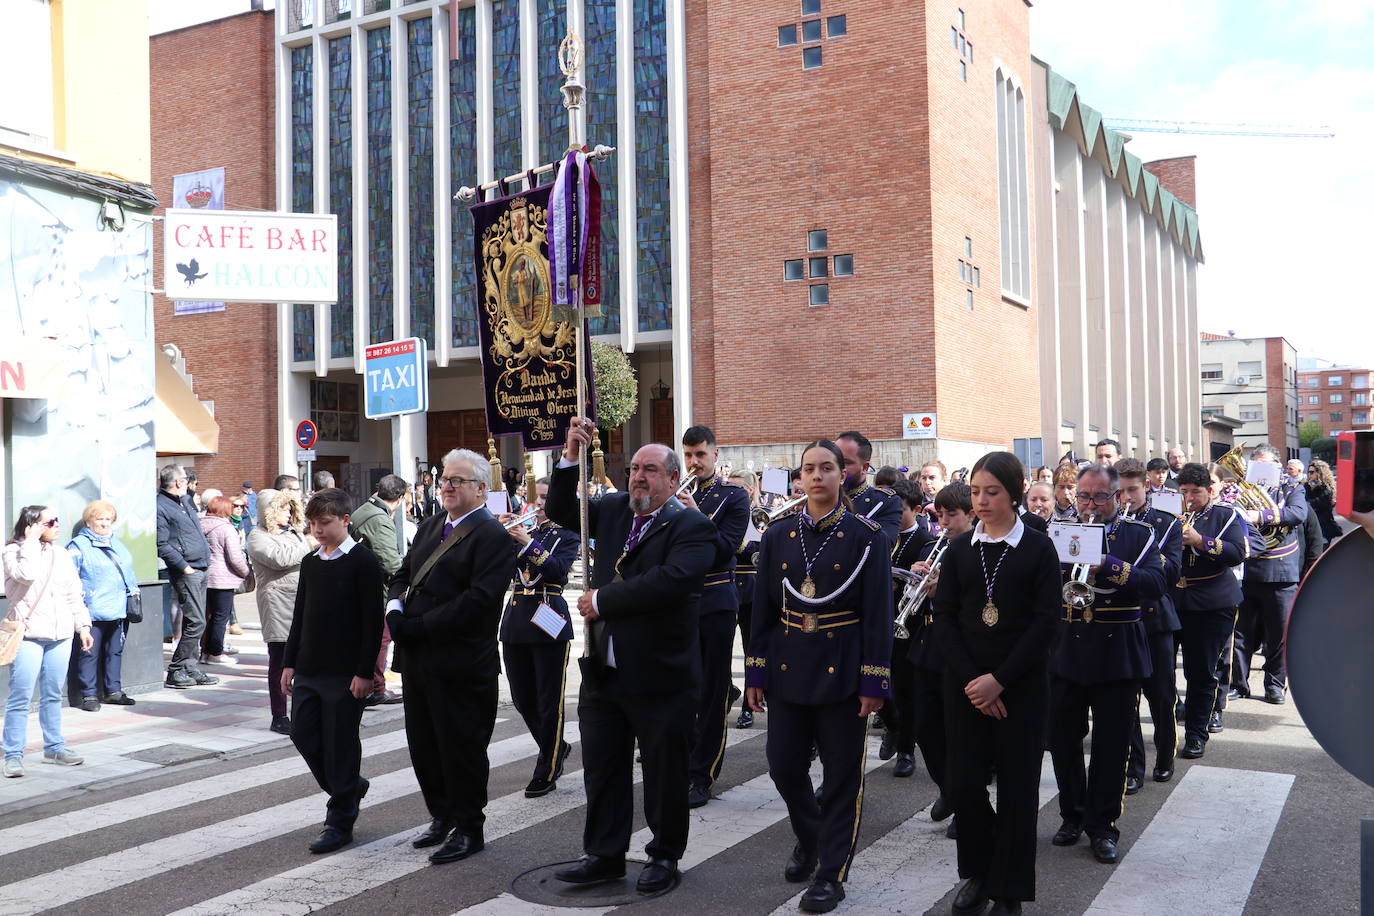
(567, 227)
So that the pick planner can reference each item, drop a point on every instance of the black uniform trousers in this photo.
(611, 721)
(898, 714)
(998, 847)
(325, 719)
(1263, 614)
(1206, 637)
(1091, 796)
(829, 827)
(928, 715)
(1160, 694)
(449, 721)
(746, 620)
(538, 673)
(717, 640)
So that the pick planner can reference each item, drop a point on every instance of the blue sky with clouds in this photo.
(1285, 222)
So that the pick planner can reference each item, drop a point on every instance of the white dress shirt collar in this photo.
(1012, 537)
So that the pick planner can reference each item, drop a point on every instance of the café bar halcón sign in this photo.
(250, 256)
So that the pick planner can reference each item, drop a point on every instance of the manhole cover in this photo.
(538, 885)
(169, 754)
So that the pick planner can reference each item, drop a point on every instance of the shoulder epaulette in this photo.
(886, 490)
(1141, 523)
(867, 521)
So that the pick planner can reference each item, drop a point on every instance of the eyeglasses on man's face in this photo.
(1100, 499)
(456, 482)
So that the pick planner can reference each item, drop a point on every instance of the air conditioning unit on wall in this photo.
(1242, 380)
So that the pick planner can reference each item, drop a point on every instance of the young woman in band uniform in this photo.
(996, 605)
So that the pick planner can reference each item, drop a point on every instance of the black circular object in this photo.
(1330, 651)
(538, 885)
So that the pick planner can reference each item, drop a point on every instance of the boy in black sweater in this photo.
(336, 632)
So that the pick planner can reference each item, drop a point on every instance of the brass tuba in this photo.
(1252, 496)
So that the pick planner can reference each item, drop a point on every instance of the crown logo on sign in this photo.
(199, 195)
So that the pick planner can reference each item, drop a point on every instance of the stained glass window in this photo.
(462, 79)
(379, 269)
(341, 189)
(601, 128)
(420, 118)
(553, 117)
(651, 166)
(302, 187)
(505, 87)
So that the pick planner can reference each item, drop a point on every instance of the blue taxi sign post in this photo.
(395, 379)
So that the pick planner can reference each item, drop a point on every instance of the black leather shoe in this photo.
(1275, 695)
(1104, 850)
(202, 679)
(118, 698)
(971, 897)
(822, 896)
(800, 865)
(735, 694)
(281, 725)
(697, 796)
(904, 767)
(179, 680)
(1067, 834)
(658, 875)
(745, 720)
(1178, 713)
(941, 809)
(1164, 774)
(1133, 785)
(1005, 908)
(330, 839)
(90, 704)
(889, 745)
(539, 787)
(1233, 694)
(1193, 748)
(1214, 724)
(459, 846)
(562, 759)
(438, 831)
(592, 869)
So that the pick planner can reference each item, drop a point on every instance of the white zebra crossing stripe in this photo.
(357, 870)
(160, 801)
(912, 866)
(1200, 854)
(731, 818)
(76, 882)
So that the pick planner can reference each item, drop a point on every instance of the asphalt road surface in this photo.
(1265, 824)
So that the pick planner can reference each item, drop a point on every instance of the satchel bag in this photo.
(133, 600)
(249, 583)
(12, 629)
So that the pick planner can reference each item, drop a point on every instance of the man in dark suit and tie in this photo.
(643, 668)
(444, 609)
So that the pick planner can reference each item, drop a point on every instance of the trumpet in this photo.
(1077, 593)
(529, 513)
(762, 518)
(916, 589)
(1186, 520)
(689, 483)
(1252, 497)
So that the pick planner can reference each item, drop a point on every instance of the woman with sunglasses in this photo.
(45, 597)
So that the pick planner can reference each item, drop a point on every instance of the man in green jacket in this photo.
(372, 526)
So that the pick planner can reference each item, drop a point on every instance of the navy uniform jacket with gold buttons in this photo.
(1208, 580)
(727, 506)
(1284, 562)
(541, 572)
(1106, 642)
(878, 504)
(837, 644)
(1160, 614)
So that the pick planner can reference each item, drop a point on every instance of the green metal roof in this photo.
(1069, 113)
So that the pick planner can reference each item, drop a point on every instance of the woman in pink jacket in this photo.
(44, 593)
(228, 569)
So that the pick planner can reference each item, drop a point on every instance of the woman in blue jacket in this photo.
(107, 579)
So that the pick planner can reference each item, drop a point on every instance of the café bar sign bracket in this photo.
(250, 256)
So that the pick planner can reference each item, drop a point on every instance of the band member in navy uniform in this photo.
(898, 714)
(877, 504)
(744, 578)
(1215, 542)
(954, 509)
(642, 669)
(537, 660)
(1161, 627)
(1101, 658)
(995, 608)
(1271, 582)
(727, 506)
(819, 657)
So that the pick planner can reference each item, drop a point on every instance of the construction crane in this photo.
(1146, 125)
